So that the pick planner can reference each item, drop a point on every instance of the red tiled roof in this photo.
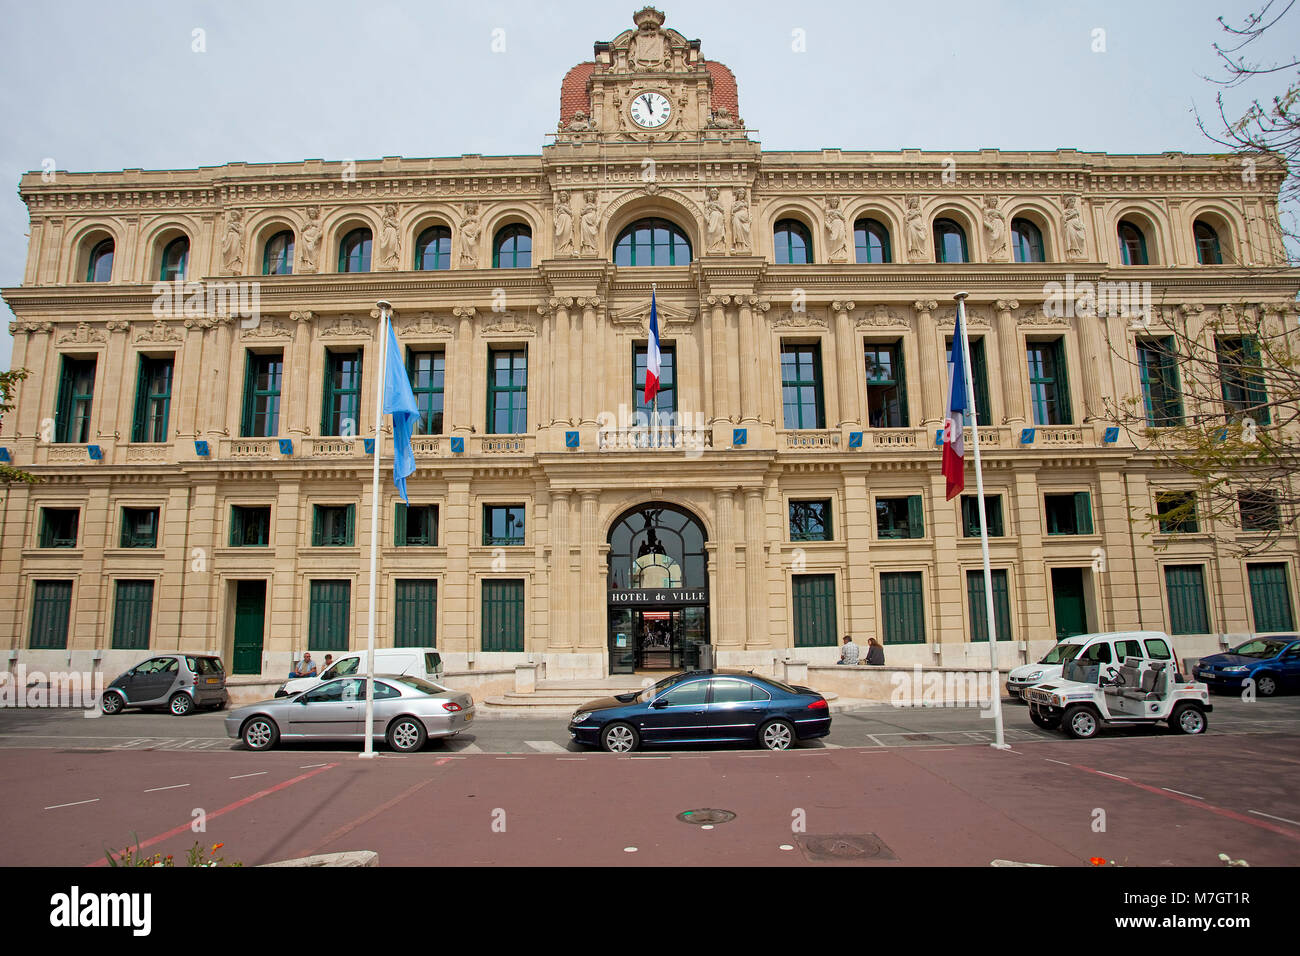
(725, 93)
(575, 96)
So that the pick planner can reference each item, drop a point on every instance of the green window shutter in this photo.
(902, 608)
(1185, 585)
(51, 608)
(416, 622)
(250, 377)
(399, 525)
(503, 615)
(978, 611)
(141, 400)
(1082, 513)
(979, 370)
(1256, 393)
(1062, 384)
(329, 615)
(349, 534)
(900, 365)
(915, 517)
(132, 615)
(813, 607)
(236, 526)
(1270, 595)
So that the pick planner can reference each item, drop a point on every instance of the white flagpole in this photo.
(991, 624)
(384, 309)
(654, 401)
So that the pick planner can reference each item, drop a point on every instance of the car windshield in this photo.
(1085, 672)
(423, 686)
(650, 693)
(1062, 653)
(1260, 648)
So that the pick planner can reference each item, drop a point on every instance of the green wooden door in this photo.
(1068, 601)
(503, 615)
(331, 607)
(979, 615)
(1271, 597)
(250, 623)
(132, 615)
(1185, 584)
(51, 605)
(902, 608)
(416, 624)
(814, 610)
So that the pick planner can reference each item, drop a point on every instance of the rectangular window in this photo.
(1185, 585)
(250, 527)
(810, 520)
(900, 517)
(970, 515)
(503, 615)
(76, 397)
(51, 608)
(332, 526)
(329, 615)
(1158, 371)
(59, 527)
(139, 528)
(1259, 511)
(1176, 512)
(980, 372)
(886, 385)
(507, 391)
(813, 607)
(1241, 372)
(503, 525)
(1049, 392)
(415, 526)
(666, 399)
(428, 379)
(1270, 595)
(153, 398)
(979, 615)
(902, 608)
(416, 621)
(801, 386)
(263, 376)
(341, 406)
(1068, 514)
(132, 615)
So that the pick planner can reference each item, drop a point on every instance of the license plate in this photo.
(1205, 674)
(468, 718)
(214, 680)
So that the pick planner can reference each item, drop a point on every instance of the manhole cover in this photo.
(917, 737)
(706, 816)
(844, 848)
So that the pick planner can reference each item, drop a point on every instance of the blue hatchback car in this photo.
(707, 706)
(1273, 663)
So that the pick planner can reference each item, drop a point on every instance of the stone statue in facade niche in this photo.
(648, 51)
(469, 232)
(721, 118)
(581, 123)
(1076, 233)
(590, 223)
(715, 223)
(563, 225)
(311, 239)
(837, 248)
(232, 246)
(995, 228)
(390, 240)
(741, 223)
(916, 238)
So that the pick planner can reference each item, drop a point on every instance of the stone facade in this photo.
(728, 315)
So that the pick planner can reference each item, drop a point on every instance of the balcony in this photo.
(1056, 435)
(678, 438)
(810, 439)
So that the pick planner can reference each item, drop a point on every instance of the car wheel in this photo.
(406, 735)
(112, 703)
(1188, 719)
(260, 733)
(776, 735)
(180, 704)
(1047, 723)
(1266, 685)
(619, 738)
(1081, 722)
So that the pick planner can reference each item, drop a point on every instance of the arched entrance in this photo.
(658, 589)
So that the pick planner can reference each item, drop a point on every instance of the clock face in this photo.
(651, 110)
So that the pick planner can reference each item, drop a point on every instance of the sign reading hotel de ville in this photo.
(658, 596)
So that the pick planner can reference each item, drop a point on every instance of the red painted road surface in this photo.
(1166, 800)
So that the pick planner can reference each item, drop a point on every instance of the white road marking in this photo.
(467, 749)
(573, 758)
(546, 746)
(1115, 775)
(831, 746)
(1061, 762)
(173, 787)
(243, 775)
(59, 806)
(875, 740)
(1181, 793)
(1260, 813)
(310, 765)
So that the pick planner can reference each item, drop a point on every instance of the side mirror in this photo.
(658, 703)
(301, 699)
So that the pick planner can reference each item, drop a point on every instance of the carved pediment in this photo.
(638, 316)
(160, 331)
(424, 326)
(83, 334)
(267, 329)
(347, 326)
(880, 317)
(799, 320)
(975, 319)
(507, 323)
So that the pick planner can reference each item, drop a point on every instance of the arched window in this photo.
(277, 258)
(100, 266)
(433, 249)
(354, 251)
(1132, 244)
(1208, 252)
(792, 243)
(513, 248)
(652, 242)
(949, 242)
(174, 258)
(1026, 241)
(657, 546)
(871, 241)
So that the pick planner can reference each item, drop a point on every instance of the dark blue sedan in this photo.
(1272, 663)
(709, 706)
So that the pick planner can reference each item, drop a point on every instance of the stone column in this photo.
(758, 600)
(573, 366)
(848, 357)
(561, 627)
(1095, 359)
(730, 617)
(767, 373)
(456, 593)
(1011, 362)
(930, 362)
(591, 630)
(30, 403)
(593, 368)
(460, 413)
(718, 333)
(749, 407)
(299, 369)
(189, 378)
(560, 408)
(217, 372)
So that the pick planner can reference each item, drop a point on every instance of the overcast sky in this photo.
(105, 86)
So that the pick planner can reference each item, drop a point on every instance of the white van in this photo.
(422, 662)
(1106, 649)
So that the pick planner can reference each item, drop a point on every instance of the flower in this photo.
(1097, 860)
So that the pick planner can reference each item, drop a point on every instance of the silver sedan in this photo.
(408, 711)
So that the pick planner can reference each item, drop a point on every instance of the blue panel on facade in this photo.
(286, 446)
(571, 440)
(370, 445)
(96, 453)
(1111, 436)
(201, 449)
(855, 439)
(1026, 436)
(4, 454)
(458, 446)
(739, 436)
(938, 437)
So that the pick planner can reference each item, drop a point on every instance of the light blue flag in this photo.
(399, 401)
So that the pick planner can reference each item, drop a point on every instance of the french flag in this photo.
(652, 354)
(954, 444)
